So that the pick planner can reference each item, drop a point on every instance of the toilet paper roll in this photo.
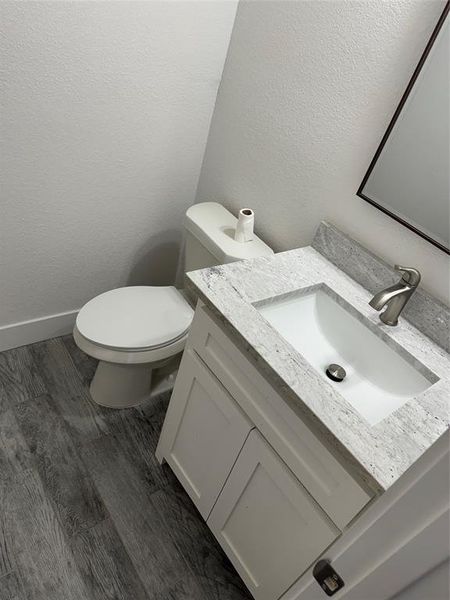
(244, 226)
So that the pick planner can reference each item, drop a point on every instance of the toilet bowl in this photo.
(135, 330)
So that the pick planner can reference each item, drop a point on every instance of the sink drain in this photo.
(335, 372)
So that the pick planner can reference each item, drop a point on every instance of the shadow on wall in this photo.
(156, 262)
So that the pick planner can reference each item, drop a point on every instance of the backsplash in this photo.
(424, 311)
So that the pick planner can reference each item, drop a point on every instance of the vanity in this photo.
(278, 457)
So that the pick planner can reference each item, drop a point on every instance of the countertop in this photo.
(382, 452)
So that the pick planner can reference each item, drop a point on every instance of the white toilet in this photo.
(134, 330)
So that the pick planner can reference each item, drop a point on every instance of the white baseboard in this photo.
(36, 330)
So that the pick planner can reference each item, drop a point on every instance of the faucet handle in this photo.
(409, 275)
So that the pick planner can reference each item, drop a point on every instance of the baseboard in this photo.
(36, 330)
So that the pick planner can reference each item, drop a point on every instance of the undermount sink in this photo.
(321, 326)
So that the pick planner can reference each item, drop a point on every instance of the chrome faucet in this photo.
(396, 296)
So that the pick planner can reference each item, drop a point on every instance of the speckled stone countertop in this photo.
(382, 452)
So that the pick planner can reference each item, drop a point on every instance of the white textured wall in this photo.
(105, 113)
(307, 92)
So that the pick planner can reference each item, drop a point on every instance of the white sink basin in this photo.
(379, 380)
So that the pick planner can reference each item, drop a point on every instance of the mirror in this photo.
(408, 178)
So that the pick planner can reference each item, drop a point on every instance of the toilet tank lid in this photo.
(214, 226)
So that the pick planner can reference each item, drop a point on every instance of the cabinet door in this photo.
(267, 523)
(203, 432)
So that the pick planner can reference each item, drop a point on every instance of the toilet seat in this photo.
(136, 319)
(148, 356)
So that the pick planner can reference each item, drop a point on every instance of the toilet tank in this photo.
(210, 238)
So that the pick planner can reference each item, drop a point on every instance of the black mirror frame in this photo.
(398, 110)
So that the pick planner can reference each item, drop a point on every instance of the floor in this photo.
(86, 512)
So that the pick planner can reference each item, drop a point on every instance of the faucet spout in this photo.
(382, 298)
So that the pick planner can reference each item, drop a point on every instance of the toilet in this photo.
(136, 330)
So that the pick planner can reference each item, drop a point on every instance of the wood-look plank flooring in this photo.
(86, 512)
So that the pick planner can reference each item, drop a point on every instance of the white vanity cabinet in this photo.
(274, 496)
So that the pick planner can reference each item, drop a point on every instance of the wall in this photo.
(106, 108)
(307, 92)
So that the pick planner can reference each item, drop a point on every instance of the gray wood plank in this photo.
(215, 576)
(19, 377)
(154, 411)
(67, 390)
(186, 589)
(7, 563)
(10, 588)
(42, 557)
(15, 456)
(137, 432)
(144, 534)
(59, 466)
(85, 365)
(106, 568)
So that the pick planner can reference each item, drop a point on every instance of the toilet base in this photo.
(121, 386)
(128, 378)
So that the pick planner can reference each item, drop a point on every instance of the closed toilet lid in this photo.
(133, 318)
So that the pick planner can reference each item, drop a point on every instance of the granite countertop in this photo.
(382, 452)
